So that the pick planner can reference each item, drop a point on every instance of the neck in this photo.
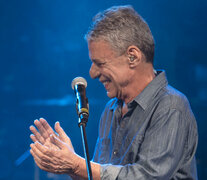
(142, 76)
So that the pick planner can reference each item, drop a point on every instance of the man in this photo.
(147, 130)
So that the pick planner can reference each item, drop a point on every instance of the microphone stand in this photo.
(83, 119)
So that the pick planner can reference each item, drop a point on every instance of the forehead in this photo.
(100, 50)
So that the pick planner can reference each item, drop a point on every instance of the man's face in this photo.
(111, 68)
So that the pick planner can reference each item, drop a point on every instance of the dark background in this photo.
(42, 49)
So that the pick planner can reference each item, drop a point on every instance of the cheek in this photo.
(123, 78)
(117, 75)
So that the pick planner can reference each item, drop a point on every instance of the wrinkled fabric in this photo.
(156, 139)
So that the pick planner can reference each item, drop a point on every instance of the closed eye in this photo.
(98, 63)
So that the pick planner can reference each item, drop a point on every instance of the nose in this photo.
(94, 71)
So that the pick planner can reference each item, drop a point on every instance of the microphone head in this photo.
(78, 80)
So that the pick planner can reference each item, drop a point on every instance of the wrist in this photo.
(79, 165)
(79, 170)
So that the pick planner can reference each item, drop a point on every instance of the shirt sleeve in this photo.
(162, 151)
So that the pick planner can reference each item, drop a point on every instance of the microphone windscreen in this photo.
(80, 81)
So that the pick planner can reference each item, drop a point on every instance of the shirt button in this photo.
(122, 125)
(115, 152)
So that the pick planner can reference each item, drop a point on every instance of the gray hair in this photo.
(122, 26)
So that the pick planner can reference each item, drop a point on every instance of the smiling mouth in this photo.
(106, 83)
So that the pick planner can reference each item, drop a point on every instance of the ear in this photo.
(134, 56)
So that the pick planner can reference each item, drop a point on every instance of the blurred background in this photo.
(42, 49)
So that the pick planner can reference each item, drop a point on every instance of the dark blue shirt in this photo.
(155, 139)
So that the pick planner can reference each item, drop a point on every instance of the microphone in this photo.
(79, 85)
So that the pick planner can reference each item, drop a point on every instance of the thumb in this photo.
(56, 141)
(63, 136)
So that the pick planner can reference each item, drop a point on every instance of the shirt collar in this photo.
(149, 92)
(117, 102)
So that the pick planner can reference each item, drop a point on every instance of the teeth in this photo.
(105, 82)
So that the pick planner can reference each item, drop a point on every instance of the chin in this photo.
(111, 95)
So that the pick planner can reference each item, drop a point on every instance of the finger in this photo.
(56, 141)
(41, 129)
(63, 136)
(41, 154)
(47, 127)
(44, 157)
(34, 139)
(32, 152)
(41, 150)
(36, 151)
(37, 134)
(41, 164)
